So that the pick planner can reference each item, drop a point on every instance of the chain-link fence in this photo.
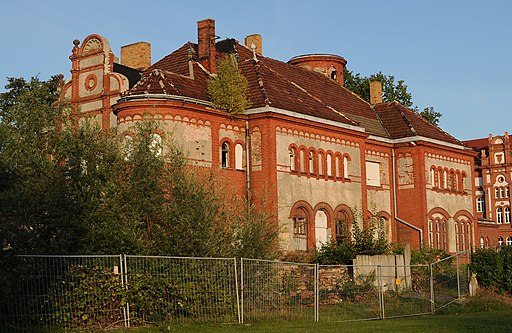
(101, 292)
(60, 291)
(450, 279)
(277, 290)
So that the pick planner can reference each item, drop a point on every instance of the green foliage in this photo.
(369, 239)
(493, 269)
(228, 89)
(426, 255)
(72, 188)
(391, 91)
(89, 297)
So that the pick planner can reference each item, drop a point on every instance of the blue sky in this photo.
(454, 55)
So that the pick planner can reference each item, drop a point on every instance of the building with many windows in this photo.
(493, 176)
(322, 156)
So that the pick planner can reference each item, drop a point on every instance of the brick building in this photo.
(320, 154)
(493, 176)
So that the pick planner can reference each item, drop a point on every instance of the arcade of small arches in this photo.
(445, 179)
(484, 242)
(315, 226)
(442, 228)
(318, 163)
(232, 158)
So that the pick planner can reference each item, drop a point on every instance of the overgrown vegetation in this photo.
(364, 238)
(493, 269)
(70, 188)
(228, 89)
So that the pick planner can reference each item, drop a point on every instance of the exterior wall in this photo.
(94, 87)
(315, 190)
(282, 177)
(492, 183)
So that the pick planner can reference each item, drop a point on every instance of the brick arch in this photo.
(305, 208)
(345, 211)
(320, 164)
(328, 211)
(439, 210)
(312, 164)
(293, 160)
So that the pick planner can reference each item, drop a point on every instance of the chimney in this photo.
(375, 92)
(136, 55)
(256, 39)
(206, 44)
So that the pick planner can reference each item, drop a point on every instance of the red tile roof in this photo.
(401, 122)
(285, 86)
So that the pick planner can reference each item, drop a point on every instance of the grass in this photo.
(489, 313)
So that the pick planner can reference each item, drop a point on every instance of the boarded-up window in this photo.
(239, 156)
(372, 173)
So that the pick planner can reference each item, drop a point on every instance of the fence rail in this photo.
(100, 292)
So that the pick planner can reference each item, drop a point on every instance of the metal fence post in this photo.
(381, 293)
(237, 293)
(242, 290)
(126, 288)
(458, 274)
(316, 291)
(432, 302)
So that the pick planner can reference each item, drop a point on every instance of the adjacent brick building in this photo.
(322, 156)
(493, 176)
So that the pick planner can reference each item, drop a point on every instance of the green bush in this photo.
(493, 269)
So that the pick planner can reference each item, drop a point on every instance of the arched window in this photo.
(502, 192)
(239, 157)
(480, 204)
(155, 144)
(507, 214)
(311, 162)
(320, 164)
(342, 226)
(481, 242)
(329, 164)
(507, 192)
(300, 228)
(450, 181)
(338, 166)
(291, 153)
(496, 193)
(509, 240)
(437, 234)
(486, 244)
(224, 155)
(433, 177)
(500, 242)
(445, 179)
(302, 160)
(345, 167)
(499, 215)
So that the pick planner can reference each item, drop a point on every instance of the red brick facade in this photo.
(316, 152)
(492, 181)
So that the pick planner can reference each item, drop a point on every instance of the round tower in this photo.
(330, 65)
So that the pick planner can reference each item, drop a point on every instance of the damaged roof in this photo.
(285, 86)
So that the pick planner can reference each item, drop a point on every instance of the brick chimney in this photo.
(206, 44)
(256, 39)
(375, 92)
(136, 55)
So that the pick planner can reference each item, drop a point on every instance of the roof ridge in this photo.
(377, 115)
(430, 124)
(404, 117)
(313, 96)
(261, 86)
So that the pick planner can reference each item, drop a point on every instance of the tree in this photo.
(391, 91)
(73, 188)
(228, 89)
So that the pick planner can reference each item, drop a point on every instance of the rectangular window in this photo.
(372, 173)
